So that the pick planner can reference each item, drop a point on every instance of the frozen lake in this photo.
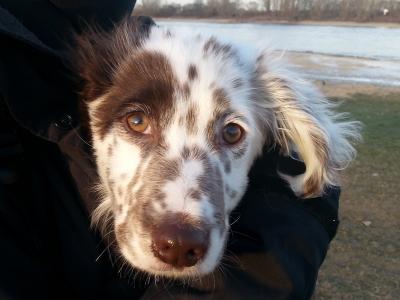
(369, 55)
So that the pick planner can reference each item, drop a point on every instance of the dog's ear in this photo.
(302, 122)
(96, 55)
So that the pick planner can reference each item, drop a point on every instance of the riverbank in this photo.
(262, 20)
(362, 75)
(348, 90)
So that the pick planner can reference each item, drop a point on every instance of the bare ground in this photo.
(364, 259)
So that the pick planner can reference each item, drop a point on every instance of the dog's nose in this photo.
(179, 245)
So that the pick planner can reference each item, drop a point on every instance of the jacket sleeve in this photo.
(276, 246)
(21, 274)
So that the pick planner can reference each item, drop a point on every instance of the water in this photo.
(369, 55)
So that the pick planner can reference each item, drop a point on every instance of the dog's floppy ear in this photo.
(301, 122)
(98, 54)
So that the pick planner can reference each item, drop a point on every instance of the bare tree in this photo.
(267, 5)
(348, 10)
(150, 5)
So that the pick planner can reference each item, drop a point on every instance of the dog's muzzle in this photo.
(179, 243)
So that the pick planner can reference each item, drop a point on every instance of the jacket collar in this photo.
(49, 24)
(49, 108)
(12, 27)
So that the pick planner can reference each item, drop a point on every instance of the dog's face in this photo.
(174, 138)
(176, 123)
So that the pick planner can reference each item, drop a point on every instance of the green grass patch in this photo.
(363, 262)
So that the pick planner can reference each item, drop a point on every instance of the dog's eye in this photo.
(138, 122)
(232, 133)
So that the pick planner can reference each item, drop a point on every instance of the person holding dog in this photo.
(47, 248)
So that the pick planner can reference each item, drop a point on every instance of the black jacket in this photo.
(47, 249)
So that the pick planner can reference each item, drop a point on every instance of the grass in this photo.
(364, 259)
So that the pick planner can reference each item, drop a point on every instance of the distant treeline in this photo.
(291, 10)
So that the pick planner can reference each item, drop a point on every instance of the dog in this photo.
(176, 121)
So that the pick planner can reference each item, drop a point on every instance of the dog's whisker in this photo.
(80, 137)
(243, 235)
(230, 257)
(234, 221)
(105, 249)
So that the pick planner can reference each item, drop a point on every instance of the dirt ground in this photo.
(364, 259)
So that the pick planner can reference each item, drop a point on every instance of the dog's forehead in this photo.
(209, 80)
(174, 73)
(196, 57)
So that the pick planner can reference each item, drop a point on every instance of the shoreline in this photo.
(347, 90)
(349, 74)
(260, 20)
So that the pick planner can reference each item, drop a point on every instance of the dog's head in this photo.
(176, 122)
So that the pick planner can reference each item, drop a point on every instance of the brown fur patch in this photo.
(97, 52)
(152, 179)
(211, 184)
(222, 107)
(194, 194)
(147, 80)
(186, 153)
(217, 48)
(134, 181)
(220, 97)
(109, 150)
(160, 171)
(186, 90)
(192, 72)
(191, 118)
